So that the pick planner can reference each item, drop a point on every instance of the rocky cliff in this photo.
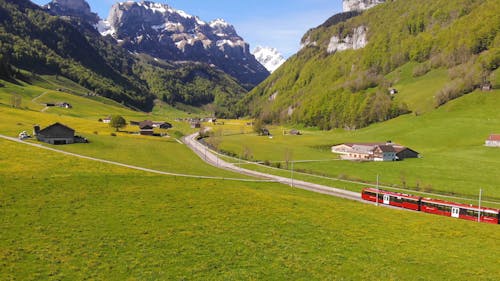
(164, 32)
(72, 8)
(360, 5)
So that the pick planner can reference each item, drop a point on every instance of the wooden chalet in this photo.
(146, 128)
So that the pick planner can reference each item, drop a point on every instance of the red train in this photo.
(432, 206)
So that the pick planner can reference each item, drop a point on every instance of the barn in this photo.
(56, 133)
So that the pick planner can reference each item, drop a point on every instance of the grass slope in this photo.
(450, 139)
(66, 219)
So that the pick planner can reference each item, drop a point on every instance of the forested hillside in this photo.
(339, 80)
(33, 40)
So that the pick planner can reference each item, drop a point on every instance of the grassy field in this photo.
(70, 219)
(450, 139)
(65, 218)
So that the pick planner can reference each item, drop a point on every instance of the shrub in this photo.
(421, 69)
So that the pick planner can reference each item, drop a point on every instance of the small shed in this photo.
(165, 126)
(265, 132)
(106, 120)
(56, 133)
(403, 152)
(195, 125)
(486, 87)
(65, 105)
(146, 128)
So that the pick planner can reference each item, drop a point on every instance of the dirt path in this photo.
(36, 98)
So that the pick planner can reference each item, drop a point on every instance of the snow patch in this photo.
(105, 28)
(269, 57)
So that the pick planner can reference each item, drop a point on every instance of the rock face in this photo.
(270, 58)
(72, 8)
(164, 32)
(360, 5)
(351, 42)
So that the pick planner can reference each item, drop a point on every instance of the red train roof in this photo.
(381, 191)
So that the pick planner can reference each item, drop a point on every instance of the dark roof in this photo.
(403, 148)
(147, 124)
(386, 148)
(57, 130)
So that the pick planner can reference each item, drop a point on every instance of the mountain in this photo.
(342, 76)
(269, 57)
(72, 8)
(166, 33)
(35, 42)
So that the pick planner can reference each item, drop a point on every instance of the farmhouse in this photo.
(195, 125)
(57, 133)
(146, 128)
(493, 141)
(374, 151)
(64, 105)
(106, 120)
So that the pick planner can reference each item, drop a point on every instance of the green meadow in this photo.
(450, 139)
(71, 219)
(65, 218)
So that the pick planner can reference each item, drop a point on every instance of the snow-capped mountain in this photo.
(269, 57)
(164, 32)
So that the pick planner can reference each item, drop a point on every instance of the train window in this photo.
(490, 215)
(444, 208)
(396, 199)
(369, 193)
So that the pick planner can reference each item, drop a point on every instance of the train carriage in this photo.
(431, 206)
(460, 211)
(396, 199)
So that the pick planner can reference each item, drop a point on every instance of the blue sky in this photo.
(278, 23)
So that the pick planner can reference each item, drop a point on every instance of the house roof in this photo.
(57, 130)
(494, 137)
(146, 124)
(386, 148)
(56, 125)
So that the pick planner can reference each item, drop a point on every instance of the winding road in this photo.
(206, 154)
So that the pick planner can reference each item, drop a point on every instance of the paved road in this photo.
(214, 160)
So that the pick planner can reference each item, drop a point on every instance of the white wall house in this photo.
(493, 141)
(373, 151)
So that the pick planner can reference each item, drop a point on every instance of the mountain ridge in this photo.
(78, 52)
(333, 82)
(174, 35)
